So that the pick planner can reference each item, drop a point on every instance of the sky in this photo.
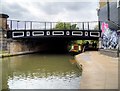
(51, 10)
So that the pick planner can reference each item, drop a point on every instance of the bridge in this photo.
(42, 30)
(45, 36)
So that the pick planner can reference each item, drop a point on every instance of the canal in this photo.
(40, 71)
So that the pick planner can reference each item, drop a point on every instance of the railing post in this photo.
(99, 25)
(25, 25)
(50, 25)
(11, 24)
(17, 24)
(83, 25)
(45, 25)
(31, 25)
(88, 26)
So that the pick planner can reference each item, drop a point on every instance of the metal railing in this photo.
(37, 25)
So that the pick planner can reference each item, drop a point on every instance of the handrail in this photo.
(16, 24)
(52, 21)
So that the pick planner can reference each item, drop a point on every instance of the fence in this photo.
(37, 25)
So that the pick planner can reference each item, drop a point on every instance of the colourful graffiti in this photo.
(109, 37)
(104, 27)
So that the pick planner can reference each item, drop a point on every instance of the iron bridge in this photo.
(36, 29)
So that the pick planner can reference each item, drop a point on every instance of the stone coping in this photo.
(109, 52)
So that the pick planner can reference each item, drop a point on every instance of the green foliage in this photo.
(96, 27)
(84, 41)
(74, 27)
(65, 26)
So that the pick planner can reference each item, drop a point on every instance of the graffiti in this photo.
(109, 37)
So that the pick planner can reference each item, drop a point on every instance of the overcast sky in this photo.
(59, 10)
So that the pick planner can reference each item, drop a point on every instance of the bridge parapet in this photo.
(37, 25)
(77, 34)
(35, 29)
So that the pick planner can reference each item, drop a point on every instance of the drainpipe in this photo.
(108, 10)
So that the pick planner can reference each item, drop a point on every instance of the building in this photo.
(109, 17)
(110, 12)
(3, 21)
(3, 29)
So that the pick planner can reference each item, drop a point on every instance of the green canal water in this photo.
(40, 71)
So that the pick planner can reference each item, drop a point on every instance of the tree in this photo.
(66, 26)
(96, 27)
(74, 27)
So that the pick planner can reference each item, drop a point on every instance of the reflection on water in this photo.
(37, 71)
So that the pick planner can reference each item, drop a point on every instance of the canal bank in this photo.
(2, 55)
(99, 71)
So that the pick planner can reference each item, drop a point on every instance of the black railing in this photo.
(37, 25)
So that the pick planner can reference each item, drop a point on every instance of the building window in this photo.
(118, 3)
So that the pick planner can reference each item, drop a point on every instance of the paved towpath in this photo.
(99, 71)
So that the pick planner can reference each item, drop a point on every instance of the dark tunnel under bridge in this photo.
(45, 45)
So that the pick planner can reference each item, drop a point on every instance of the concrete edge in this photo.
(109, 53)
(16, 54)
(78, 64)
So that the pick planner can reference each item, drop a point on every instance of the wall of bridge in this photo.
(29, 46)
(17, 47)
(21, 47)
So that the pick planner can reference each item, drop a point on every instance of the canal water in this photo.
(40, 71)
